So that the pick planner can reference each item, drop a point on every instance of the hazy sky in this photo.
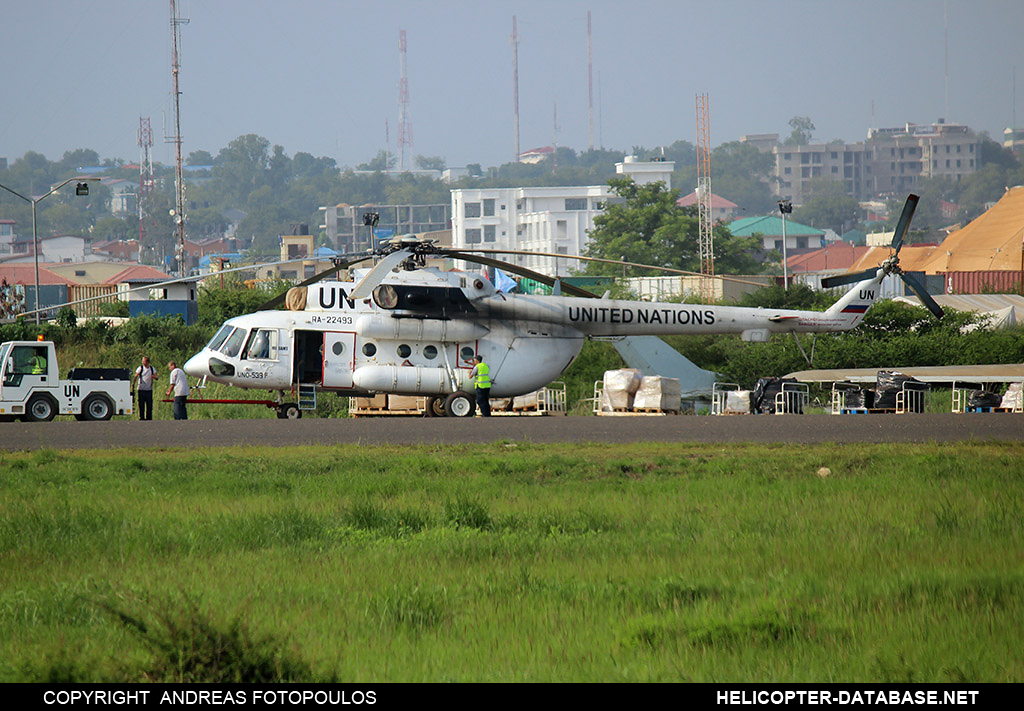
(322, 76)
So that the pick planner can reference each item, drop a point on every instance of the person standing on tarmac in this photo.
(179, 385)
(145, 374)
(481, 375)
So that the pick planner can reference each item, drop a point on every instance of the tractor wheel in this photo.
(97, 407)
(40, 408)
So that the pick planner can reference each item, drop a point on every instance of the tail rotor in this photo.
(892, 264)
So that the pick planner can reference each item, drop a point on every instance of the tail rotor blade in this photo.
(904, 223)
(918, 288)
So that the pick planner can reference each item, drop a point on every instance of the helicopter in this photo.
(404, 328)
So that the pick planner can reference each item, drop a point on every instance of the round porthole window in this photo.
(338, 348)
(467, 353)
(369, 350)
(430, 352)
(404, 351)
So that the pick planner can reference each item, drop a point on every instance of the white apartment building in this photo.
(552, 220)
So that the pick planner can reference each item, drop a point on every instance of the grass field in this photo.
(514, 562)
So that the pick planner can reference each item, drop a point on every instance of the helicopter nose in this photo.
(198, 366)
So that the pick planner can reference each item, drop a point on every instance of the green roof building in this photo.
(769, 229)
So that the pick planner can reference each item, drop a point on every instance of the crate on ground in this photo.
(729, 399)
(973, 397)
(386, 405)
(657, 393)
(779, 396)
(618, 390)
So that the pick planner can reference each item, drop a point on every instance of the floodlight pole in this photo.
(785, 207)
(35, 233)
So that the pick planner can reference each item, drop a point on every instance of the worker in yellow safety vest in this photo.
(481, 375)
(38, 364)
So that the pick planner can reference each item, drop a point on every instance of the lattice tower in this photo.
(146, 180)
(706, 238)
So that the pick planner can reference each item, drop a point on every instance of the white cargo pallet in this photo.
(645, 412)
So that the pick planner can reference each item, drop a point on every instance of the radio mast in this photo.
(146, 181)
(179, 177)
(404, 127)
(707, 245)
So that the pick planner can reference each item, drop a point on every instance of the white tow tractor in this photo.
(31, 388)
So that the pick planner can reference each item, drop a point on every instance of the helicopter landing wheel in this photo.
(288, 411)
(435, 406)
(460, 404)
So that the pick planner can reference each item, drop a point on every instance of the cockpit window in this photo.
(221, 336)
(234, 343)
(262, 345)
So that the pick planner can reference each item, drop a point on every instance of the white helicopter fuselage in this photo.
(420, 331)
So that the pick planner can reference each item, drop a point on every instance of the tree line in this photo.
(276, 191)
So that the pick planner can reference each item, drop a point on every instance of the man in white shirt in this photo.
(179, 385)
(145, 374)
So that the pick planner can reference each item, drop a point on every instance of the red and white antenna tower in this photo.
(145, 171)
(515, 84)
(707, 244)
(590, 82)
(404, 127)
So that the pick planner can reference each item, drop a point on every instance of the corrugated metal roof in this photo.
(771, 226)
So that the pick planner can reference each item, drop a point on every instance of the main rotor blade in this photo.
(521, 271)
(376, 275)
(904, 223)
(279, 299)
(922, 293)
(840, 279)
(618, 262)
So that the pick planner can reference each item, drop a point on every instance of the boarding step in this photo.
(307, 396)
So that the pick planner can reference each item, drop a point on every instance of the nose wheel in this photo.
(288, 411)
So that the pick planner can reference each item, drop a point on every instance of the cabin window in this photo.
(262, 345)
(404, 351)
(338, 348)
(369, 350)
(218, 339)
(234, 343)
(467, 353)
(430, 352)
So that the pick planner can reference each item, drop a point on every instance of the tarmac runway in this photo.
(793, 429)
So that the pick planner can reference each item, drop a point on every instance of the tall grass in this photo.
(514, 562)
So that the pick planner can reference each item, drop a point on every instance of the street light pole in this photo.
(82, 186)
(785, 207)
